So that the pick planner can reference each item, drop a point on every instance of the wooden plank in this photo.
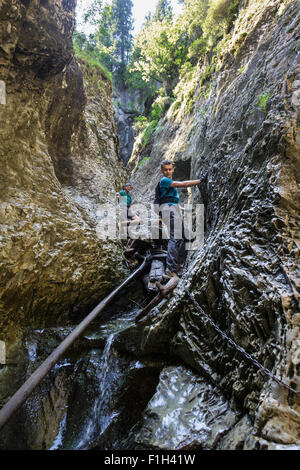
(163, 292)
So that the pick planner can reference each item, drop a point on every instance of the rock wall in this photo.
(245, 131)
(59, 157)
(129, 103)
(59, 160)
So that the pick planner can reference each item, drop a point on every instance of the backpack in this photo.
(158, 200)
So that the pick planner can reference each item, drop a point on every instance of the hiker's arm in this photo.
(185, 184)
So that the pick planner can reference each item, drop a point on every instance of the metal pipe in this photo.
(27, 388)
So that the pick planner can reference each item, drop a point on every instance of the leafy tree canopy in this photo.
(165, 47)
(163, 10)
(121, 32)
(113, 36)
(159, 51)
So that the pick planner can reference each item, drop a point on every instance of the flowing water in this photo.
(107, 371)
(93, 397)
(101, 415)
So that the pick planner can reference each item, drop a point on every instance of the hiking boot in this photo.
(169, 274)
(181, 270)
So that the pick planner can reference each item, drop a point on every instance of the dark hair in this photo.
(166, 162)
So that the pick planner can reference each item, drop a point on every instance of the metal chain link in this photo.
(239, 348)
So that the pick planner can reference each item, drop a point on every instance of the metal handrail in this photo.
(27, 388)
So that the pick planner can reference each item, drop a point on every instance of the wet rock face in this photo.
(246, 277)
(124, 116)
(42, 46)
(184, 414)
(127, 105)
(90, 399)
(59, 160)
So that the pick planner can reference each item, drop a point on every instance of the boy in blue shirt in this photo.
(125, 193)
(124, 196)
(171, 216)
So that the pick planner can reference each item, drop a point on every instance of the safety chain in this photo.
(239, 348)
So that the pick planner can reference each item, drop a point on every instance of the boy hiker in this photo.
(168, 199)
(127, 214)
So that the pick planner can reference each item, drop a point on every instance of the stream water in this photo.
(92, 397)
(103, 396)
(104, 371)
(101, 415)
(95, 394)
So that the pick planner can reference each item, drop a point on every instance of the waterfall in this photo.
(91, 389)
(58, 441)
(101, 416)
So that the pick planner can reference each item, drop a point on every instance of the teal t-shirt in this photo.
(124, 193)
(164, 185)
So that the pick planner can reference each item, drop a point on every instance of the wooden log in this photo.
(166, 288)
(163, 292)
(129, 250)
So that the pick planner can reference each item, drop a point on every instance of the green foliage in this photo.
(263, 100)
(164, 47)
(143, 161)
(140, 124)
(178, 54)
(157, 110)
(104, 37)
(219, 18)
(85, 49)
(133, 78)
(113, 38)
(207, 22)
(195, 15)
(185, 90)
(159, 52)
(148, 132)
(93, 13)
(122, 39)
(197, 49)
(163, 11)
(208, 71)
(148, 125)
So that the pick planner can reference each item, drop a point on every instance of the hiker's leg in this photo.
(172, 218)
(176, 255)
(167, 217)
(182, 253)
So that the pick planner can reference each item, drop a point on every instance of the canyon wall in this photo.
(172, 381)
(59, 161)
(242, 125)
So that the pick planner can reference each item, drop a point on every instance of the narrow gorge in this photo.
(213, 366)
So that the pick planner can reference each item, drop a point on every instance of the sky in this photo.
(139, 11)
